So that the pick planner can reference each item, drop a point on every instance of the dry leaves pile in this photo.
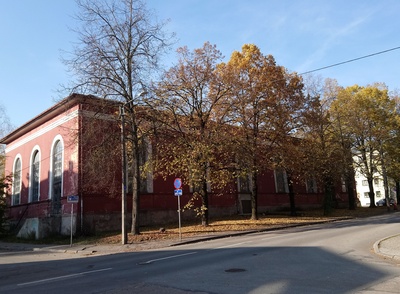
(238, 224)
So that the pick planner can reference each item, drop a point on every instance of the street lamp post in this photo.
(124, 231)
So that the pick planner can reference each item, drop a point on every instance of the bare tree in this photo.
(5, 128)
(119, 48)
(5, 124)
(5, 180)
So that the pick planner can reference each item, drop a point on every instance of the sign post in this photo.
(178, 193)
(72, 200)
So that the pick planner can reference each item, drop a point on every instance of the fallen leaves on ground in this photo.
(239, 223)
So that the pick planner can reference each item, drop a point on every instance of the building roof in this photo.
(48, 114)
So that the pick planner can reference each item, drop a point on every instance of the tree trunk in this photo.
(328, 197)
(254, 194)
(386, 187)
(371, 192)
(349, 176)
(385, 177)
(349, 180)
(135, 229)
(291, 195)
(204, 206)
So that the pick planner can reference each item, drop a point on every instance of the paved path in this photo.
(388, 247)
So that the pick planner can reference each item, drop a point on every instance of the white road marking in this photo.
(270, 238)
(63, 277)
(168, 257)
(231, 245)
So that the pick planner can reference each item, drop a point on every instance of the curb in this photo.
(54, 250)
(77, 249)
(235, 234)
(26, 247)
(377, 246)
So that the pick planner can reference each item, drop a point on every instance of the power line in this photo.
(350, 60)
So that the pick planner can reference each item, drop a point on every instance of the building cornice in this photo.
(59, 108)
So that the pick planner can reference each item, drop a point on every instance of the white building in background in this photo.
(379, 189)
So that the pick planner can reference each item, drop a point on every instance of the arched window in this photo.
(16, 195)
(35, 176)
(281, 181)
(56, 181)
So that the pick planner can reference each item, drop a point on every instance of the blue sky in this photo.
(302, 35)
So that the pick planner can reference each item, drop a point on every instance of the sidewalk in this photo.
(103, 249)
(388, 247)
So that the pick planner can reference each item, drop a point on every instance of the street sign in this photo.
(178, 183)
(178, 192)
(73, 199)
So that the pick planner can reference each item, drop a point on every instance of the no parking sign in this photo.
(178, 192)
(178, 183)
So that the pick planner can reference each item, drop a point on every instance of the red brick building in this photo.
(50, 158)
(44, 155)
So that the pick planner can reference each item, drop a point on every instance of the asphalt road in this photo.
(326, 258)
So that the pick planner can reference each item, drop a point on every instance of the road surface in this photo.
(326, 258)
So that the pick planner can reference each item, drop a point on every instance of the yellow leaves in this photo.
(249, 92)
(364, 104)
(249, 56)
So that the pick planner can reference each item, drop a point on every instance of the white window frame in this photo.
(239, 184)
(14, 188)
(51, 172)
(314, 188)
(286, 185)
(344, 187)
(34, 150)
